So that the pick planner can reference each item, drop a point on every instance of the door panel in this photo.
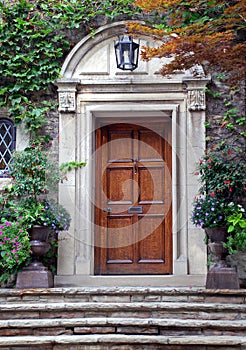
(133, 199)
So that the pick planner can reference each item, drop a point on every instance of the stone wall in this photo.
(217, 106)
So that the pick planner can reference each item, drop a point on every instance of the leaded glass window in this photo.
(7, 145)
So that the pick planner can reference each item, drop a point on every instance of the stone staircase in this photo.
(123, 318)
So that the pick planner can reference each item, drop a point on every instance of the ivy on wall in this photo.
(33, 43)
(35, 37)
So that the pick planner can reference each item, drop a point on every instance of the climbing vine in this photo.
(33, 42)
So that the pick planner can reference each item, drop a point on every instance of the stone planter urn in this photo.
(36, 275)
(220, 276)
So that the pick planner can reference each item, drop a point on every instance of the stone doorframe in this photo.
(92, 89)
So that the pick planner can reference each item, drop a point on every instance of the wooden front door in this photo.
(133, 199)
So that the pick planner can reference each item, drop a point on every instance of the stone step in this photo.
(124, 318)
(134, 309)
(71, 341)
(122, 294)
(104, 325)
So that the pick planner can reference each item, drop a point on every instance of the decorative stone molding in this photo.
(67, 101)
(196, 100)
(67, 90)
(195, 87)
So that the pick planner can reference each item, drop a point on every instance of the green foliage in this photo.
(33, 173)
(46, 212)
(236, 228)
(68, 166)
(33, 41)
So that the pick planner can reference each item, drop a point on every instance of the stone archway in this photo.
(93, 92)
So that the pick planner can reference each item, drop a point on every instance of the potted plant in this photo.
(34, 176)
(222, 179)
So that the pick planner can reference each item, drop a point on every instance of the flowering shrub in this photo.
(222, 175)
(208, 212)
(54, 216)
(46, 212)
(14, 247)
(222, 188)
(24, 204)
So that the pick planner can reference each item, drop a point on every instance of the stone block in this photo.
(34, 279)
(94, 330)
(223, 278)
(62, 314)
(77, 298)
(137, 298)
(179, 332)
(52, 331)
(4, 315)
(152, 298)
(124, 314)
(174, 298)
(213, 315)
(224, 300)
(137, 330)
(15, 331)
(196, 299)
(31, 298)
(110, 298)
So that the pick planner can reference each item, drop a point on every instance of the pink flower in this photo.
(212, 194)
(8, 223)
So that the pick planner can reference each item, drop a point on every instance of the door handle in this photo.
(135, 166)
(107, 210)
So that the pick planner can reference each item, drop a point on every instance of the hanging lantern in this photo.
(126, 53)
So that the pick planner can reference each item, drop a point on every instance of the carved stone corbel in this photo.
(67, 101)
(196, 100)
(195, 87)
(67, 90)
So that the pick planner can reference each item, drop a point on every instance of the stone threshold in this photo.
(131, 281)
